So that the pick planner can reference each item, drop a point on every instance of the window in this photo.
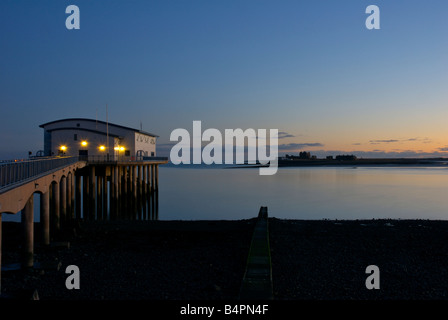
(127, 153)
(75, 137)
(78, 125)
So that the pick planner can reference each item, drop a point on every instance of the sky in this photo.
(309, 68)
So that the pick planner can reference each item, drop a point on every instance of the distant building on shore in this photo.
(302, 156)
(89, 137)
(346, 157)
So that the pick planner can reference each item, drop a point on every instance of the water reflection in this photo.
(304, 193)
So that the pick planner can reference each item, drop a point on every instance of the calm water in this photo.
(299, 193)
(304, 193)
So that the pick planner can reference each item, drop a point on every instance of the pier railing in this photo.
(114, 158)
(16, 171)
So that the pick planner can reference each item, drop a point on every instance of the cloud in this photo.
(356, 144)
(444, 149)
(283, 135)
(383, 141)
(423, 140)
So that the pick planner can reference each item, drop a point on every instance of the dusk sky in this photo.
(310, 69)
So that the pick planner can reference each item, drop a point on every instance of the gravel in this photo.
(140, 260)
(206, 260)
(327, 260)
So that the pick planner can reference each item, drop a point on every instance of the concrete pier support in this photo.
(28, 234)
(134, 207)
(119, 191)
(111, 192)
(125, 194)
(145, 178)
(99, 199)
(148, 180)
(92, 193)
(130, 206)
(71, 214)
(144, 189)
(114, 193)
(139, 193)
(152, 177)
(69, 198)
(85, 197)
(45, 217)
(63, 201)
(104, 193)
(68, 186)
(56, 208)
(156, 186)
(78, 197)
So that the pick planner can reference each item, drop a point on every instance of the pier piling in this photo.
(77, 189)
(45, 217)
(28, 234)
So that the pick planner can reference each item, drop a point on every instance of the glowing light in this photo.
(121, 148)
(84, 143)
(63, 148)
(102, 148)
(116, 148)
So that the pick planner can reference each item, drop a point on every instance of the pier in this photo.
(76, 188)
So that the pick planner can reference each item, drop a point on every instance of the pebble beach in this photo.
(206, 260)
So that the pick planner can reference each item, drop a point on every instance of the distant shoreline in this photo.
(399, 162)
(436, 162)
(365, 162)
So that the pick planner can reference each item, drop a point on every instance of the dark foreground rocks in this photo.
(206, 260)
(140, 260)
(327, 260)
